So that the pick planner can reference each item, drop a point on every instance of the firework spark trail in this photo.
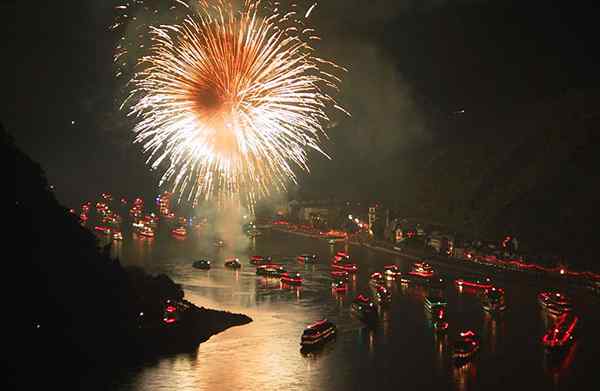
(231, 101)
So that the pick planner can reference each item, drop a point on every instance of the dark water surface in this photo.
(403, 352)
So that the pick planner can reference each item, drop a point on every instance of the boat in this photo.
(117, 235)
(438, 320)
(422, 269)
(341, 261)
(105, 230)
(347, 267)
(170, 314)
(233, 263)
(493, 300)
(339, 285)
(382, 294)
(392, 271)
(179, 232)
(376, 278)
(318, 333)
(259, 260)
(561, 334)
(364, 308)
(465, 347)
(555, 303)
(308, 258)
(146, 231)
(340, 274)
(270, 270)
(201, 264)
(219, 243)
(291, 278)
(434, 302)
(474, 282)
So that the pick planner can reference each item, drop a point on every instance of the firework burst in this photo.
(229, 101)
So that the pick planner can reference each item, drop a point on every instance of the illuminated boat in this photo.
(202, 264)
(179, 231)
(117, 235)
(364, 308)
(339, 285)
(340, 274)
(308, 258)
(342, 254)
(103, 229)
(219, 243)
(555, 303)
(270, 270)
(291, 278)
(317, 333)
(422, 269)
(465, 347)
(347, 267)
(233, 263)
(561, 334)
(146, 231)
(438, 320)
(376, 278)
(259, 260)
(434, 302)
(170, 314)
(382, 294)
(493, 300)
(474, 282)
(392, 271)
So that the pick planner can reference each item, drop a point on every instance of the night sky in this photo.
(408, 61)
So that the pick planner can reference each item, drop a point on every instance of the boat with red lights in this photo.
(422, 269)
(308, 258)
(291, 278)
(233, 263)
(103, 229)
(392, 271)
(316, 334)
(364, 308)
(376, 278)
(465, 347)
(146, 231)
(438, 319)
(347, 267)
(493, 300)
(382, 294)
(474, 282)
(179, 232)
(339, 285)
(259, 260)
(555, 303)
(340, 274)
(270, 270)
(562, 332)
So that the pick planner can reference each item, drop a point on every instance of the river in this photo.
(402, 352)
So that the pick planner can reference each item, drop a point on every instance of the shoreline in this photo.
(458, 264)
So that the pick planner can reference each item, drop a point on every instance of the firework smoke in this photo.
(230, 101)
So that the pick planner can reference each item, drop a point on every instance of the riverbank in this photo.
(476, 264)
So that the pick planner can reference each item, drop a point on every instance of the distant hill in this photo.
(530, 173)
(72, 300)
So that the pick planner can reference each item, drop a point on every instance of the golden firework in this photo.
(230, 101)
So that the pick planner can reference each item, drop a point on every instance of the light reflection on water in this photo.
(402, 351)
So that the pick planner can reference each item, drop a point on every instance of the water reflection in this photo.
(464, 375)
(557, 364)
(265, 354)
(440, 342)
